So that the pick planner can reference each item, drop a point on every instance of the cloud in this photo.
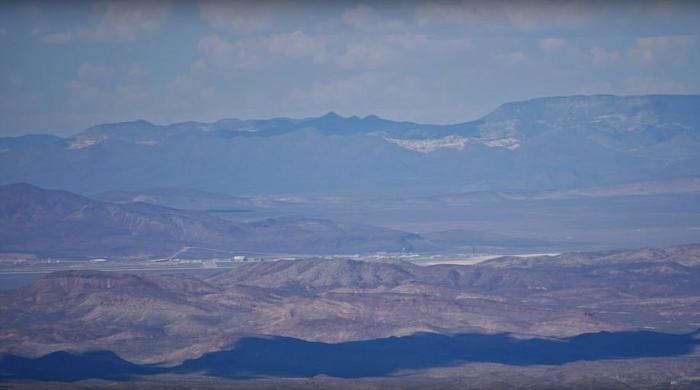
(596, 55)
(367, 92)
(298, 45)
(553, 44)
(240, 16)
(669, 48)
(344, 91)
(363, 17)
(367, 55)
(131, 92)
(93, 73)
(62, 37)
(603, 57)
(120, 21)
(85, 89)
(261, 52)
(513, 58)
(30, 99)
(137, 73)
(448, 13)
(636, 85)
(252, 53)
(12, 79)
(386, 93)
(392, 48)
(222, 53)
(103, 89)
(18, 97)
(80, 93)
(534, 15)
(523, 15)
(184, 85)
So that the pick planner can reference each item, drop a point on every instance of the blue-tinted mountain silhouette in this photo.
(556, 142)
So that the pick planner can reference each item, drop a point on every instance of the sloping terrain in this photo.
(547, 143)
(173, 318)
(59, 223)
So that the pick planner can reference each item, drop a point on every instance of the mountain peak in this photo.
(331, 115)
(125, 125)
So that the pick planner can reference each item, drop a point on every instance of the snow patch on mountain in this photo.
(430, 145)
(82, 143)
(509, 143)
(452, 142)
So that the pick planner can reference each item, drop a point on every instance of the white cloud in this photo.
(13, 79)
(30, 99)
(389, 94)
(383, 93)
(119, 21)
(363, 17)
(92, 73)
(16, 97)
(84, 90)
(103, 89)
(603, 57)
(367, 55)
(597, 56)
(219, 52)
(448, 13)
(533, 15)
(523, 15)
(392, 48)
(80, 93)
(669, 48)
(252, 53)
(513, 58)
(137, 73)
(348, 52)
(131, 92)
(648, 85)
(184, 85)
(553, 44)
(63, 37)
(241, 16)
(298, 45)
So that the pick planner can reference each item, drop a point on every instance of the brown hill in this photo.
(170, 318)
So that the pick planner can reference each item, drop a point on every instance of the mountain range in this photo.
(59, 223)
(152, 318)
(540, 144)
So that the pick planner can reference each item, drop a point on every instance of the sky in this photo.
(65, 66)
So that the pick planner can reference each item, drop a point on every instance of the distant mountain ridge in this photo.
(538, 144)
(60, 223)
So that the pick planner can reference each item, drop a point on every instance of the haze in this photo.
(345, 195)
(69, 65)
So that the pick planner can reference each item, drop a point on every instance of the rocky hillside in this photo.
(172, 318)
(59, 223)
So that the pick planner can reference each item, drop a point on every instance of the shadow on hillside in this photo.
(280, 356)
(288, 357)
(67, 367)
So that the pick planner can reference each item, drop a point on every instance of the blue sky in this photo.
(66, 66)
